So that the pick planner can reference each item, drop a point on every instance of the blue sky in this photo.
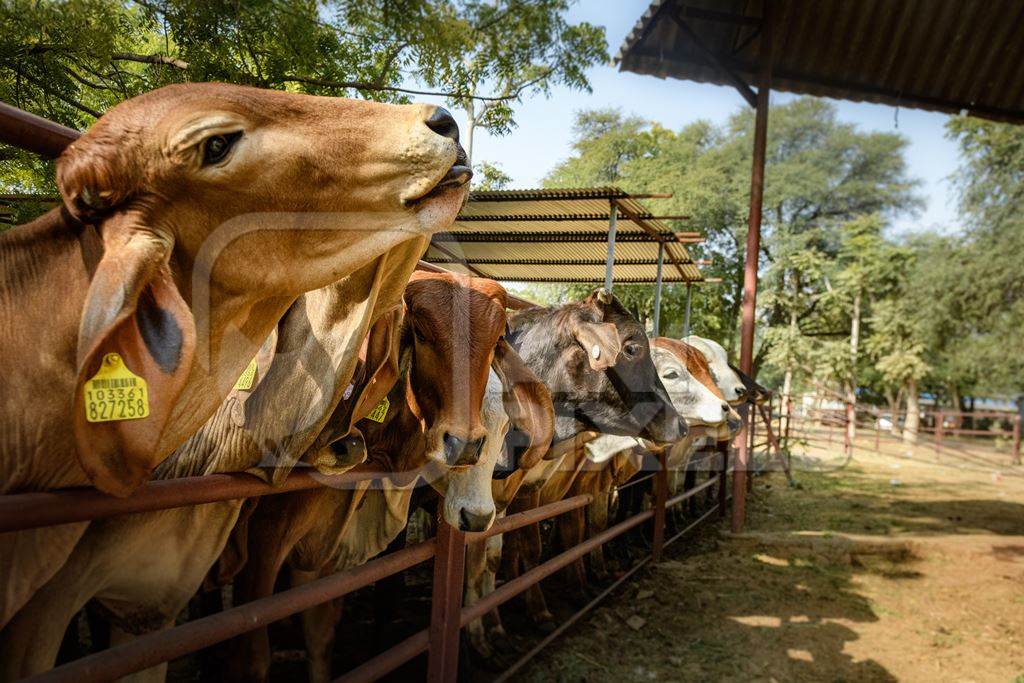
(541, 139)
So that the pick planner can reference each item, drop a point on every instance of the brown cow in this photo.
(143, 568)
(433, 426)
(193, 217)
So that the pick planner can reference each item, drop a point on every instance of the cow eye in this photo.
(419, 335)
(671, 374)
(632, 350)
(216, 148)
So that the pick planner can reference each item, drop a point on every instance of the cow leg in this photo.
(154, 674)
(530, 549)
(30, 641)
(476, 580)
(318, 629)
(492, 620)
(597, 521)
(571, 530)
(689, 481)
(272, 535)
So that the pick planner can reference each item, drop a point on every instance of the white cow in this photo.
(725, 377)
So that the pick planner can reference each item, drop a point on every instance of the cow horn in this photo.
(604, 296)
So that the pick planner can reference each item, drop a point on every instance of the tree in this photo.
(897, 345)
(512, 48)
(70, 61)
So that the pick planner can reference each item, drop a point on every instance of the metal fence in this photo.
(440, 640)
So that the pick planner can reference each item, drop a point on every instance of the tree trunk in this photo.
(851, 386)
(913, 422)
(787, 383)
(894, 408)
(958, 405)
(467, 137)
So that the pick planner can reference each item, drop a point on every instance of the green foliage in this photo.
(821, 174)
(71, 60)
(488, 176)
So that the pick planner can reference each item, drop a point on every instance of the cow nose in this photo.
(443, 123)
(725, 408)
(740, 391)
(475, 521)
(459, 452)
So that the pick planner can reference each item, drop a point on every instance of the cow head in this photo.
(218, 205)
(468, 499)
(727, 380)
(595, 359)
(686, 376)
(452, 325)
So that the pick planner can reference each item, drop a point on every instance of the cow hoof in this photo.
(545, 623)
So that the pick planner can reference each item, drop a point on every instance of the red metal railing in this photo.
(440, 640)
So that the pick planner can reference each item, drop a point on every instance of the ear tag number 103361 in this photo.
(115, 393)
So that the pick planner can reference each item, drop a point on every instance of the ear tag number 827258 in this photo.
(114, 393)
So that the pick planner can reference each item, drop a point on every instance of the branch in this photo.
(363, 85)
(513, 91)
(150, 59)
(66, 100)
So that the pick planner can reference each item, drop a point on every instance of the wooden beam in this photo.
(737, 81)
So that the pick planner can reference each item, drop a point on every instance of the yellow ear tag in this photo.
(381, 411)
(246, 379)
(114, 393)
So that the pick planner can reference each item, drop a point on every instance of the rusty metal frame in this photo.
(440, 640)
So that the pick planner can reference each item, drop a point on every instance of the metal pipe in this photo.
(389, 660)
(34, 133)
(657, 289)
(528, 517)
(660, 497)
(517, 585)
(686, 495)
(564, 626)
(49, 508)
(610, 262)
(692, 525)
(164, 646)
(686, 318)
(445, 604)
(753, 252)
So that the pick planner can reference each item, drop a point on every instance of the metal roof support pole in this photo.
(609, 263)
(686, 320)
(657, 289)
(739, 479)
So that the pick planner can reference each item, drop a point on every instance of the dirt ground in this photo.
(890, 567)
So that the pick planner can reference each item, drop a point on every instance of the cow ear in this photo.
(600, 341)
(528, 404)
(134, 321)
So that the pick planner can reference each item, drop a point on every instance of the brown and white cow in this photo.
(193, 217)
(435, 424)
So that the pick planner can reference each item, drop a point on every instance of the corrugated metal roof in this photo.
(561, 235)
(939, 55)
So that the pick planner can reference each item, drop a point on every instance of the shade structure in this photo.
(561, 235)
(941, 55)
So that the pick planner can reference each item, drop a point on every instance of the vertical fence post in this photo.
(446, 603)
(1016, 440)
(938, 433)
(752, 414)
(723, 475)
(660, 498)
(878, 430)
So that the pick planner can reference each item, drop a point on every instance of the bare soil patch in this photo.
(893, 567)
